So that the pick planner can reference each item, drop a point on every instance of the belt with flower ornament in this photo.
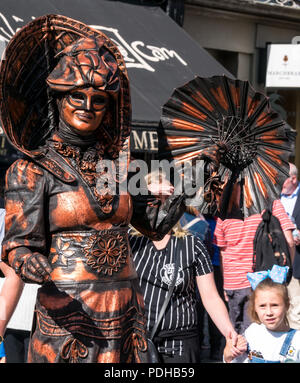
(81, 256)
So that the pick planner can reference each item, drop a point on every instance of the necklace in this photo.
(89, 164)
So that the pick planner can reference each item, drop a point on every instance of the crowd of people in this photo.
(88, 272)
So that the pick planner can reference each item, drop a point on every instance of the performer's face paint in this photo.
(84, 109)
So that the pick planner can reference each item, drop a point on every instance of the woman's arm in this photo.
(9, 295)
(217, 310)
(215, 306)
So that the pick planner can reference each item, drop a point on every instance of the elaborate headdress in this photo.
(56, 53)
(85, 63)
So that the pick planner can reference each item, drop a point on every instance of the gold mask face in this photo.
(84, 109)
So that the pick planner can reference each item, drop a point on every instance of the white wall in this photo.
(219, 31)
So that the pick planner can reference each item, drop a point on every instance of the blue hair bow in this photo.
(278, 274)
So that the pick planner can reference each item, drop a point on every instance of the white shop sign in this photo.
(283, 68)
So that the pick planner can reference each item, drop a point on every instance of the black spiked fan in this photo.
(245, 145)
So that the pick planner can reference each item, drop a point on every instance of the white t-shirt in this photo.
(23, 314)
(268, 344)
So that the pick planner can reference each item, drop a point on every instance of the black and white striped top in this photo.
(154, 268)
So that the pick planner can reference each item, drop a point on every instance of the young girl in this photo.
(269, 339)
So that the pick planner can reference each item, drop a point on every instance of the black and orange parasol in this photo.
(245, 145)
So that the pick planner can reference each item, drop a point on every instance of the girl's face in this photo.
(271, 309)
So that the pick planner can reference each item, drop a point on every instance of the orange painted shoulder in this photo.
(23, 171)
(26, 163)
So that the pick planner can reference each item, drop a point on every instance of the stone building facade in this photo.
(238, 33)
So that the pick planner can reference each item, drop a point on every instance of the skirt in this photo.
(90, 322)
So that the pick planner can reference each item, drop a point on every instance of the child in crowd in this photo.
(269, 339)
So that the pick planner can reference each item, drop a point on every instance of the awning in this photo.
(159, 54)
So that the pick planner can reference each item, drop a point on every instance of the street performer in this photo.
(65, 105)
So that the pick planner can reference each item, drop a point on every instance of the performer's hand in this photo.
(36, 268)
(3, 359)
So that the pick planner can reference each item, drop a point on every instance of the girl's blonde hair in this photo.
(267, 284)
(192, 210)
(177, 230)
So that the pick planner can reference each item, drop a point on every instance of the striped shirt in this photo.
(235, 238)
(155, 268)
